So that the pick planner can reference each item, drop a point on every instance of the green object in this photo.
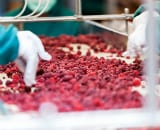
(143, 7)
(33, 5)
(9, 44)
(51, 28)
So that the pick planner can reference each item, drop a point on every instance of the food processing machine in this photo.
(148, 116)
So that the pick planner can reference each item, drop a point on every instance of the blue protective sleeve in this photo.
(9, 44)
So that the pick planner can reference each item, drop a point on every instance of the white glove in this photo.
(137, 44)
(30, 49)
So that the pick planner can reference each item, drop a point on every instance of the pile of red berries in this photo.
(76, 83)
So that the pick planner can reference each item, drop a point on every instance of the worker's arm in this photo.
(24, 48)
(9, 44)
(137, 40)
(143, 8)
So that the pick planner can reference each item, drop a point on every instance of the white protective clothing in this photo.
(30, 49)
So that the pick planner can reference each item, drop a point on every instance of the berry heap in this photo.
(73, 82)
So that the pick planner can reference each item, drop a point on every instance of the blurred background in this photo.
(88, 6)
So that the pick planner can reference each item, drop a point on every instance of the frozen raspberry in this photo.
(136, 82)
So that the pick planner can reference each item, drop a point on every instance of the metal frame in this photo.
(32, 17)
(66, 18)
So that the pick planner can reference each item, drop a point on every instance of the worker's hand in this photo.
(137, 43)
(30, 49)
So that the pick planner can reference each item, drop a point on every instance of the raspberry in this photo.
(79, 52)
(136, 82)
(15, 77)
(77, 106)
(88, 53)
(74, 82)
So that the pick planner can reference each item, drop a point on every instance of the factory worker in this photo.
(54, 9)
(137, 40)
(24, 48)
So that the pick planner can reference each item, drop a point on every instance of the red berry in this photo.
(15, 77)
(77, 106)
(88, 53)
(79, 52)
(136, 82)
(74, 82)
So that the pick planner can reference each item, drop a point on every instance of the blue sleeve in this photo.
(9, 44)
